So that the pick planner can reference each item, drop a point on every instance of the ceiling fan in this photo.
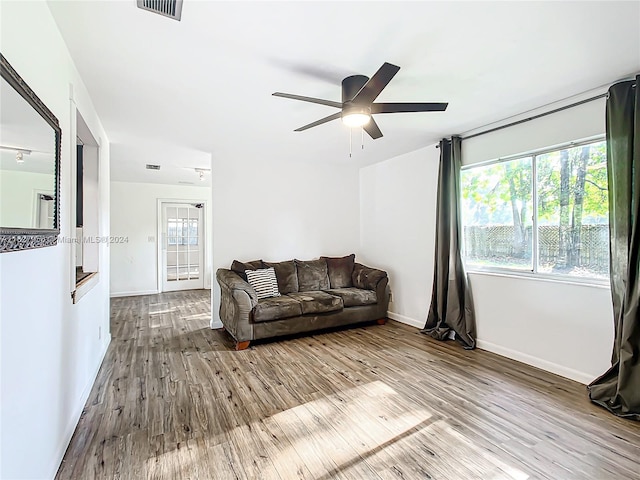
(358, 95)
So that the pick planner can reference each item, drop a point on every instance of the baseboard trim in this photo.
(406, 320)
(133, 294)
(75, 418)
(537, 362)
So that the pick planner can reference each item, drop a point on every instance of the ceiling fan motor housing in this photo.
(352, 85)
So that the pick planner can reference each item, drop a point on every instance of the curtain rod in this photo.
(524, 120)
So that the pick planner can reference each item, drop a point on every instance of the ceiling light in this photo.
(356, 115)
(356, 119)
(19, 157)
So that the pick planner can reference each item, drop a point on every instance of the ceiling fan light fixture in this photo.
(356, 119)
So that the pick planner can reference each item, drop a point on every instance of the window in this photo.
(546, 213)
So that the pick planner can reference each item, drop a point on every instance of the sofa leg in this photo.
(381, 321)
(242, 345)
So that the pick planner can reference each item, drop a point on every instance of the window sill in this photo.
(84, 286)
(580, 282)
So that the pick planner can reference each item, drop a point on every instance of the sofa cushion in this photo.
(365, 277)
(240, 267)
(340, 270)
(286, 275)
(312, 275)
(276, 308)
(353, 297)
(263, 282)
(317, 302)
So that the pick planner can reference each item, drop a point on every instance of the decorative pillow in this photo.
(312, 275)
(263, 282)
(286, 275)
(340, 270)
(240, 267)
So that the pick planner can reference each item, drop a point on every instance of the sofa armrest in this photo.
(237, 299)
(366, 277)
(233, 281)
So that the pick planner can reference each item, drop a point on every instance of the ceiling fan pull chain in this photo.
(362, 138)
(350, 141)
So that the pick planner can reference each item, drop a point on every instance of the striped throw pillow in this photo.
(264, 282)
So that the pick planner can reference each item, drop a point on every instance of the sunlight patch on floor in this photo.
(369, 431)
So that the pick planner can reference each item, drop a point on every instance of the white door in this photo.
(182, 247)
(44, 210)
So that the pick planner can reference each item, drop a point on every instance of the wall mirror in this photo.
(30, 138)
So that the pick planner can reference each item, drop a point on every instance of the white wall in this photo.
(582, 121)
(134, 214)
(268, 209)
(21, 188)
(397, 215)
(50, 349)
(564, 328)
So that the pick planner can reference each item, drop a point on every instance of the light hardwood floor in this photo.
(174, 400)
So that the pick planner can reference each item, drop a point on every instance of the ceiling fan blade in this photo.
(372, 129)
(319, 122)
(376, 84)
(408, 107)
(309, 99)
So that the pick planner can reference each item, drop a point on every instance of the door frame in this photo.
(36, 204)
(159, 231)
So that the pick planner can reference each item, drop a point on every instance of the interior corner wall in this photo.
(397, 220)
(274, 210)
(50, 349)
(134, 217)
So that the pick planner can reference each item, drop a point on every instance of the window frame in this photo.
(533, 273)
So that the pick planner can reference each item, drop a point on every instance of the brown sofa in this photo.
(316, 294)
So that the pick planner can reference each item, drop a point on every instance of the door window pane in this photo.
(172, 274)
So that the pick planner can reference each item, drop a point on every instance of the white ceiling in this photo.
(204, 85)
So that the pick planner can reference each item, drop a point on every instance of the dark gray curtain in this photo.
(619, 388)
(451, 306)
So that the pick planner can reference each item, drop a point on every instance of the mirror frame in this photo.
(15, 239)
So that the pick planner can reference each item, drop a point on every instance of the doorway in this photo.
(44, 206)
(182, 246)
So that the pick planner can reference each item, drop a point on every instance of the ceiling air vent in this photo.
(167, 8)
(153, 167)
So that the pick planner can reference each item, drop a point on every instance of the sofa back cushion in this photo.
(312, 275)
(240, 267)
(287, 276)
(340, 270)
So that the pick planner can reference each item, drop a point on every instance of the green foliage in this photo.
(595, 194)
(487, 197)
